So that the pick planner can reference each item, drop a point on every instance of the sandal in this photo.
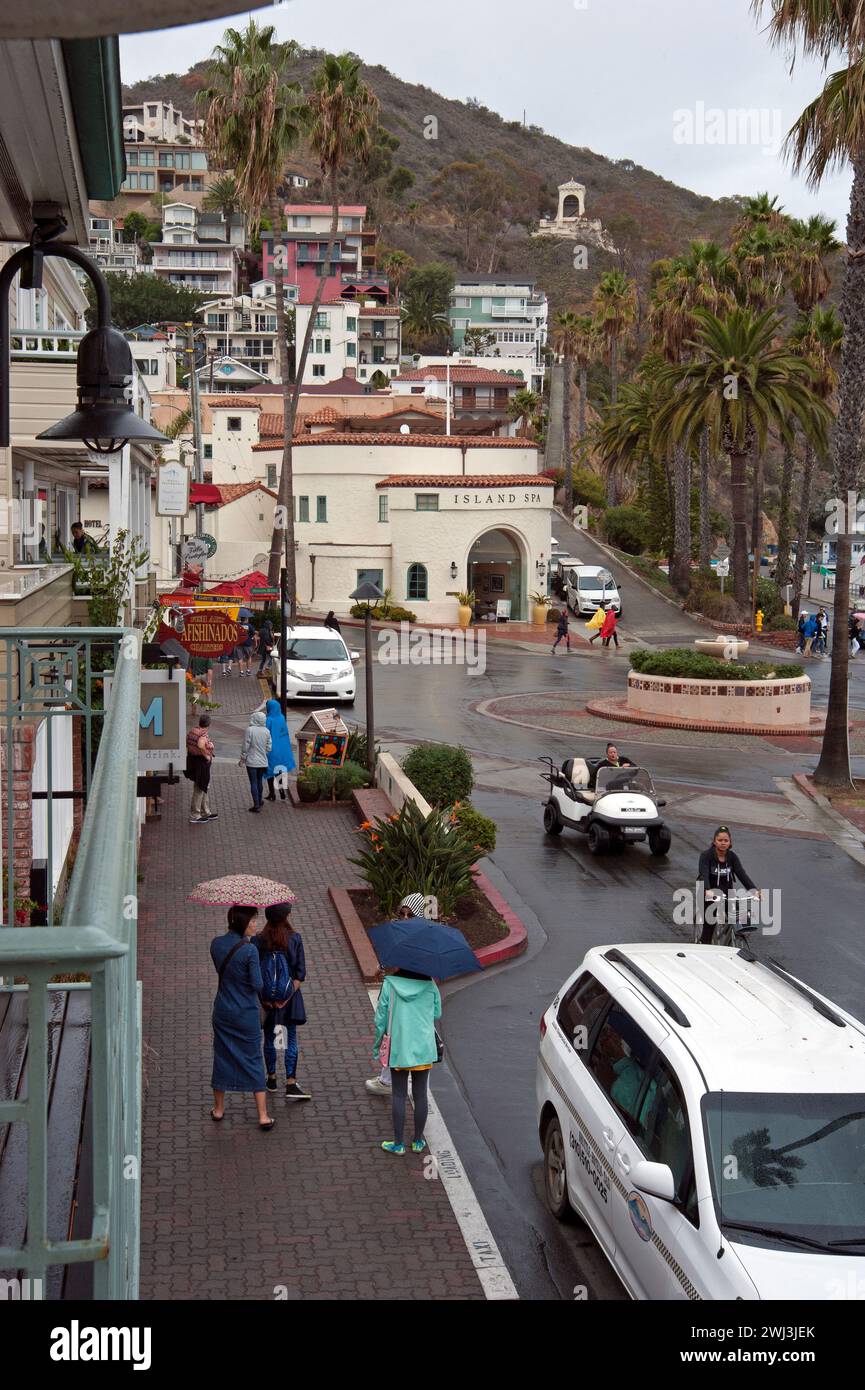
(217, 1117)
(268, 1127)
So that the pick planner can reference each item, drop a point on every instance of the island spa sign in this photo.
(480, 497)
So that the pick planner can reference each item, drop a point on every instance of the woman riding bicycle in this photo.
(720, 867)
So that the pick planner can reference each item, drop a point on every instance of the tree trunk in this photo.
(286, 497)
(833, 769)
(612, 491)
(581, 419)
(282, 535)
(802, 535)
(782, 564)
(705, 527)
(757, 504)
(739, 489)
(568, 457)
(680, 567)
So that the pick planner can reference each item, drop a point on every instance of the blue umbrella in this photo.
(427, 948)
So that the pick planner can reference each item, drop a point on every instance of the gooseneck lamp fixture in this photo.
(104, 420)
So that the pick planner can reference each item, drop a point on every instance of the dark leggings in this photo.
(419, 1100)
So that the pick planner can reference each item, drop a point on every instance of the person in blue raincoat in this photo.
(281, 760)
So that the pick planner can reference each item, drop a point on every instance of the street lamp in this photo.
(104, 420)
(368, 593)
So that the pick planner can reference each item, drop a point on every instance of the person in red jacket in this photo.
(608, 630)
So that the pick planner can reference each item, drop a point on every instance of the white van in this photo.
(588, 586)
(319, 666)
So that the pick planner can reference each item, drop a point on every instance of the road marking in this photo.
(486, 1257)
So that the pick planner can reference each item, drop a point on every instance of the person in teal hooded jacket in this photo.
(281, 758)
(407, 1009)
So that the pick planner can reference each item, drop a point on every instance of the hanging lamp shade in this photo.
(104, 420)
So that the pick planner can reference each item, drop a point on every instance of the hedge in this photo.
(679, 661)
(442, 774)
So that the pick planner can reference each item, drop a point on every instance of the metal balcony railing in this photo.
(50, 675)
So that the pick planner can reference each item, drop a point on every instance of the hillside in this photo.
(647, 215)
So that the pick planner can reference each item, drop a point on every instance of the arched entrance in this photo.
(571, 206)
(496, 571)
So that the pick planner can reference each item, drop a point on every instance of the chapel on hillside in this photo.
(571, 221)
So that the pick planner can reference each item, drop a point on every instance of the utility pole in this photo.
(283, 656)
(195, 410)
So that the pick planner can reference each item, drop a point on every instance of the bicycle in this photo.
(731, 929)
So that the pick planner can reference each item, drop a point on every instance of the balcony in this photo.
(54, 345)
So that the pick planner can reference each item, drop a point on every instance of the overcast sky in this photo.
(638, 79)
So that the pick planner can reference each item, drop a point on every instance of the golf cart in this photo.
(613, 806)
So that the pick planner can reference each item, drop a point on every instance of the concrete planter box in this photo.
(731, 705)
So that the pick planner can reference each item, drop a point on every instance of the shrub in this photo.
(589, 489)
(627, 528)
(320, 776)
(412, 853)
(391, 614)
(479, 829)
(721, 608)
(769, 599)
(357, 747)
(681, 661)
(782, 622)
(442, 774)
(335, 783)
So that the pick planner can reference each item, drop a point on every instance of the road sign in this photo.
(723, 551)
(210, 542)
(264, 593)
(722, 569)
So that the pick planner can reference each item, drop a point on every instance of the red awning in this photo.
(206, 493)
(241, 586)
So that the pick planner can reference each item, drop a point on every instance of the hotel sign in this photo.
(481, 497)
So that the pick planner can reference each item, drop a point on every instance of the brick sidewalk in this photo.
(314, 1206)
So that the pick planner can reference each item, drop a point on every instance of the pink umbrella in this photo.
(241, 890)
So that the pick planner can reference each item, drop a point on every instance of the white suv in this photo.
(704, 1113)
(318, 665)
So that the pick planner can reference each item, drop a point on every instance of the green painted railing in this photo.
(49, 674)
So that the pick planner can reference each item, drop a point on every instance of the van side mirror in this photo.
(355, 656)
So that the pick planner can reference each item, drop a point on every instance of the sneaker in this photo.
(271, 1081)
(212, 815)
(376, 1087)
(293, 1092)
(197, 820)
(418, 1146)
(391, 1148)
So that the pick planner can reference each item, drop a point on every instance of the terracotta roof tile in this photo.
(240, 402)
(492, 481)
(424, 441)
(232, 492)
(469, 376)
(326, 416)
(381, 310)
(270, 424)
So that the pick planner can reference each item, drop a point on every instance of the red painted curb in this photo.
(615, 710)
(517, 938)
(356, 936)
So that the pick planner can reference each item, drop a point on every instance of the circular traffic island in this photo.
(683, 689)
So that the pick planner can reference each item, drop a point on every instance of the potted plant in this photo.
(466, 601)
(308, 786)
(540, 604)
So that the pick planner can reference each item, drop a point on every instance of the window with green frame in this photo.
(382, 506)
(417, 586)
(426, 501)
(301, 509)
(271, 475)
(321, 509)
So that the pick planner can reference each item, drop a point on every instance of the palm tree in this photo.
(524, 407)
(223, 196)
(252, 120)
(818, 337)
(568, 331)
(422, 318)
(623, 438)
(396, 265)
(831, 132)
(738, 383)
(812, 243)
(615, 306)
(758, 208)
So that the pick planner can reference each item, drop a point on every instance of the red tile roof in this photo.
(326, 416)
(345, 210)
(495, 481)
(270, 425)
(221, 494)
(388, 310)
(426, 441)
(222, 402)
(470, 376)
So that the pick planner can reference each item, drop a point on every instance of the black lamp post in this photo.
(104, 420)
(368, 593)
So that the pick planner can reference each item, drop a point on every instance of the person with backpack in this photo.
(237, 1064)
(283, 970)
(199, 761)
(562, 629)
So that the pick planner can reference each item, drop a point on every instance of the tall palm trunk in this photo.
(286, 498)
(802, 533)
(612, 492)
(283, 535)
(739, 491)
(680, 568)
(782, 564)
(705, 527)
(581, 417)
(566, 430)
(757, 504)
(833, 768)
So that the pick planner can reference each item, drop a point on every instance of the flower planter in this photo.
(734, 704)
(464, 616)
(539, 614)
(307, 793)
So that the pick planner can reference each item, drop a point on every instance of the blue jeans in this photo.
(256, 777)
(270, 1026)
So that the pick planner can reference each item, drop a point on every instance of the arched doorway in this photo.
(571, 206)
(496, 571)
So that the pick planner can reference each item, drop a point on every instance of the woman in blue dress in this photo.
(237, 1060)
(281, 759)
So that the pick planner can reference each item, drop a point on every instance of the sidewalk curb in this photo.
(848, 836)
(616, 709)
(803, 781)
(356, 936)
(517, 938)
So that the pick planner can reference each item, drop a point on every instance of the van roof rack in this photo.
(814, 1000)
(617, 957)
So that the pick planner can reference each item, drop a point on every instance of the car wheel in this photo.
(660, 841)
(617, 844)
(552, 820)
(555, 1173)
(599, 839)
(349, 703)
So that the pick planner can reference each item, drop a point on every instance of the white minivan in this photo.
(704, 1113)
(319, 666)
(588, 586)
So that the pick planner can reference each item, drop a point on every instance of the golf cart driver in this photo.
(612, 804)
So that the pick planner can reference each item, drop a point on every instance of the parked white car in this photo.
(319, 666)
(588, 586)
(704, 1113)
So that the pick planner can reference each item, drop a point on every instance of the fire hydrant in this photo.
(758, 620)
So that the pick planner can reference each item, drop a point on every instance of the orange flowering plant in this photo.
(412, 853)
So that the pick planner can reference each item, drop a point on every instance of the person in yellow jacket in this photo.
(596, 622)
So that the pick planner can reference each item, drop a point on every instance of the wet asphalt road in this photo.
(570, 901)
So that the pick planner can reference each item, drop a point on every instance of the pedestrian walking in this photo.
(414, 905)
(237, 1063)
(199, 761)
(281, 757)
(800, 628)
(283, 971)
(332, 622)
(608, 631)
(809, 632)
(596, 622)
(265, 644)
(857, 635)
(562, 630)
(254, 755)
(822, 638)
(405, 1038)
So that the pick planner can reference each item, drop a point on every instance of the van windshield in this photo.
(315, 649)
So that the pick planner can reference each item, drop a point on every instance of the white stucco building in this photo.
(571, 221)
